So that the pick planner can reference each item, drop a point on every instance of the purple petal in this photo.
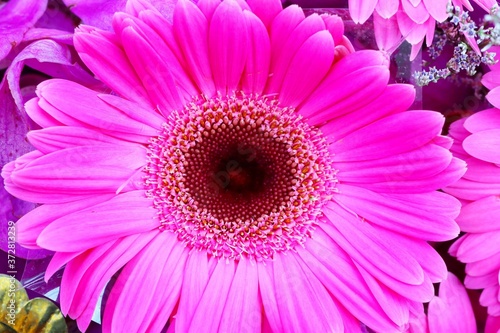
(97, 13)
(16, 17)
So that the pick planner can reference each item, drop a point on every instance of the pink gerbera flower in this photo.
(413, 20)
(477, 141)
(247, 170)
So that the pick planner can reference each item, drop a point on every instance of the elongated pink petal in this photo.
(478, 246)
(402, 95)
(387, 33)
(282, 56)
(361, 10)
(228, 41)
(482, 121)
(386, 136)
(296, 87)
(107, 169)
(393, 215)
(153, 72)
(272, 320)
(340, 276)
(208, 7)
(256, 71)
(437, 9)
(31, 225)
(417, 13)
(191, 33)
(481, 215)
(242, 311)
(103, 55)
(292, 281)
(103, 222)
(39, 115)
(208, 315)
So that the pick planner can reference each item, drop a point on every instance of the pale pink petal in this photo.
(282, 53)
(413, 32)
(142, 286)
(105, 57)
(228, 46)
(361, 10)
(339, 275)
(243, 309)
(256, 71)
(297, 87)
(395, 216)
(402, 96)
(300, 295)
(481, 215)
(103, 222)
(31, 225)
(208, 314)
(391, 135)
(484, 145)
(417, 13)
(387, 8)
(191, 33)
(452, 310)
(266, 10)
(387, 34)
(437, 9)
(491, 80)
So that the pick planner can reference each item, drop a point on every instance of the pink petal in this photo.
(413, 32)
(256, 71)
(365, 68)
(191, 32)
(472, 190)
(361, 10)
(153, 71)
(228, 41)
(417, 13)
(437, 9)
(397, 216)
(193, 287)
(478, 246)
(491, 80)
(90, 111)
(208, 7)
(387, 8)
(210, 309)
(481, 215)
(339, 275)
(75, 171)
(300, 295)
(482, 121)
(387, 33)
(96, 13)
(297, 87)
(397, 263)
(39, 115)
(484, 266)
(272, 319)
(391, 135)
(335, 26)
(484, 145)
(282, 57)
(242, 311)
(105, 57)
(103, 222)
(60, 137)
(402, 96)
(452, 310)
(266, 10)
(159, 268)
(31, 225)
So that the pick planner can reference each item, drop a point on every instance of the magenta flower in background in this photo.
(233, 199)
(451, 311)
(411, 20)
(477, 141)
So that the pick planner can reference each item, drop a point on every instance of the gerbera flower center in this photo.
(239, 175)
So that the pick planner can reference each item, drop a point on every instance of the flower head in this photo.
(246, 170)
